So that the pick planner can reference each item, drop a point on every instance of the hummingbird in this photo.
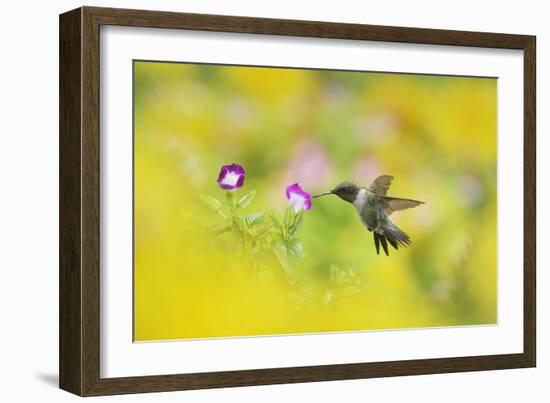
(374, 209)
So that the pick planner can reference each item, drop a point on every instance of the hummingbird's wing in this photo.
(381, 185)
(392, 204)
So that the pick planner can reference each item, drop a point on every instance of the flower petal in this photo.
(236, 168)
(298, 198)
(223, 172)
(240, 181)
(231, 177)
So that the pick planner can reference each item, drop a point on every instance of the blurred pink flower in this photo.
(366, 170)
(309, 164)
(377, 129)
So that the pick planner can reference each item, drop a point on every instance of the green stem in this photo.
(230, 197)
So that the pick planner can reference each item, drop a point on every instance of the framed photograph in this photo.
(248, 201)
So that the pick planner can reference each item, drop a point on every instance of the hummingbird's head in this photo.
(346, 191)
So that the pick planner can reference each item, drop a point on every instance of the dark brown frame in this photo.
(79, 201)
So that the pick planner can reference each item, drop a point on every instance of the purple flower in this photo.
(297, 198)
(231, 177)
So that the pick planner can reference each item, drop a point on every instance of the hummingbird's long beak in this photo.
(322, 194)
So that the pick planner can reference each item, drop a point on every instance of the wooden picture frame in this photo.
(79, 278)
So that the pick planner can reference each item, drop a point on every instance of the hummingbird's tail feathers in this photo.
(390, 233)
(393, 242)
(380, 239)
(396, 236)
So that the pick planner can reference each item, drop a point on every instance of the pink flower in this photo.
(231, 177)
(297, 198)
(309, 164)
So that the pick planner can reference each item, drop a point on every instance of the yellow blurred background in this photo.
(435, 134)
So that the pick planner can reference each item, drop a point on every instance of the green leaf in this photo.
(261, 231)
(352, 290)
(281, 252)
(327, 297)
(276, 218)
(253, 218)
(279, 247)
(220, 229)
(298, 219)
(294, 247)
(303, 294)
(213, 204)
(246, 199)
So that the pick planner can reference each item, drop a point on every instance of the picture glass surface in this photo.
(230, 240)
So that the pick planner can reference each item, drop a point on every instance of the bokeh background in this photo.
(437, 135)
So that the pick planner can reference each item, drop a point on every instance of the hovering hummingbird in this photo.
(374, 208)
